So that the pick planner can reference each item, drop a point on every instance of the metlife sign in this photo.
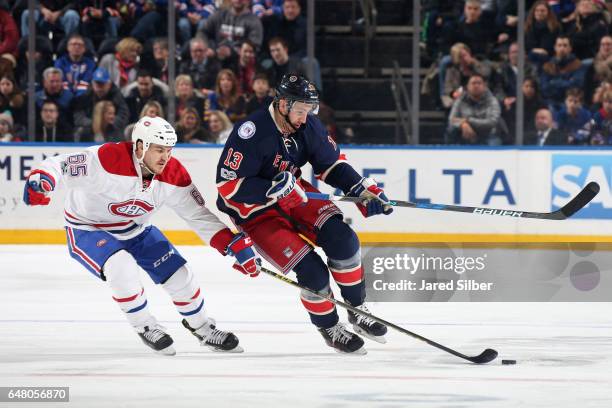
(571, 172)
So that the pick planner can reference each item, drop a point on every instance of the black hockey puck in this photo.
(508, 362)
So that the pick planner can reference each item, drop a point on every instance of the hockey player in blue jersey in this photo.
(259, 184)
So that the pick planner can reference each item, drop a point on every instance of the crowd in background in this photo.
(101, 65)
(567, 87)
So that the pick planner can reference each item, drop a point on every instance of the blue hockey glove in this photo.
(374, 199)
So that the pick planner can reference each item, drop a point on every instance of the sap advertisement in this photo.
(513, 179)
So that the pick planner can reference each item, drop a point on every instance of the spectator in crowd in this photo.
(562, 72)
(601, 128)
(245, 67)
(49, 128)
(590, 25)
(103, 124)
(475, 116)
(192, 15)
(77, 67)
(289, 25)
(143, 93)
(202, 69)
(227, 28)
(6, 129)
(145, 16)
(544, 133)
(266, 8)
(220, 126)
(226, 97)
(42, 58)
(102, 89)
(53, 89)
(532, 103)
(12, 99)
(506, 20)
(189, 128)
(261, 98)
(473, 30)
(151, 109)
(282, 63)
(463, 66)
(541, 29)
(186, 96)
(601, 68)
(9, 35)
(506, 84)
(597, 101)
(572, 117)
(52, 14)
(438, 18)
(563, 9)
(161, 53)
(99, 19)
(122, 65)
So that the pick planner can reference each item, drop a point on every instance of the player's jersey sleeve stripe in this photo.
(227, 189)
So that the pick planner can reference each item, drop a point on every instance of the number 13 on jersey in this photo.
(233, 159)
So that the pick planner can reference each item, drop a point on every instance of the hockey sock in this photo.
(186, 296)
(341, 246)
(312, 272)
(122, 277)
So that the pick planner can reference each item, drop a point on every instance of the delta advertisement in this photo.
(515, 179)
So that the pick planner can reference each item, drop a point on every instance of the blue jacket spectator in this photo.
(572, 117)
(53, 90)
(262, 8)
(193, 14)
(76, 67)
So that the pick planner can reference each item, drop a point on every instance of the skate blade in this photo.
(361, 332)
(236, 349)
(168, 351)
(359, 352)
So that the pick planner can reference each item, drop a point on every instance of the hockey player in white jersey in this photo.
(113, 190)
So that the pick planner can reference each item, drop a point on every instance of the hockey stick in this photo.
(569, 209)
(484, 357)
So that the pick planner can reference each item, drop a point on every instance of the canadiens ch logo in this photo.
(130, 208)
(101, 243)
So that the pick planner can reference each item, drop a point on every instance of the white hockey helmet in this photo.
(153, 131)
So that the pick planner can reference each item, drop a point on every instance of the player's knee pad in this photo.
(122, 272)
(182, 285)
(338, 239)
(312, 272)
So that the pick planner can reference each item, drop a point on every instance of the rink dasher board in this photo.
(530, 179)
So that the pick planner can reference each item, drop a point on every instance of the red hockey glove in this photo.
(247, 261)
(286, 190)
(38, 185)
(374, 199)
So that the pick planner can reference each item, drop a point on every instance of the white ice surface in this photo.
(60, 327)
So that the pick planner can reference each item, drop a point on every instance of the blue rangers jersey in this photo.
(256, 151)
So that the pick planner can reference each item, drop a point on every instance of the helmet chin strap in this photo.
(141, 160)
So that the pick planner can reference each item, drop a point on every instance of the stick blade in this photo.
(583, 198)
(486, 356)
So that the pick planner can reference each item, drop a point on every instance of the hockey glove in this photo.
(286, 190)
(374, 199)
(247, 261)
(38, 185)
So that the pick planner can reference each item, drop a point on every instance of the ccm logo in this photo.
(163, 259)
(130, 208)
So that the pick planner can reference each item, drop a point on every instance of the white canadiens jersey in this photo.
(106, 192)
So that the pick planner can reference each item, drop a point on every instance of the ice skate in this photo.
(157, 339)
(367, 327)
(342, 340)
(215, 339)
